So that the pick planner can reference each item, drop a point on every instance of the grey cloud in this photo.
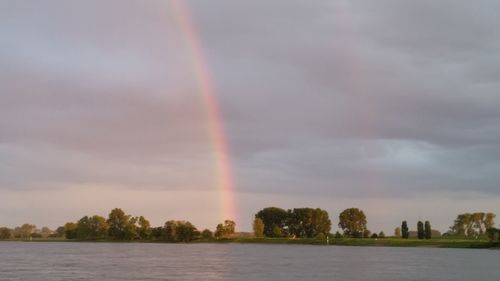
(344, 98)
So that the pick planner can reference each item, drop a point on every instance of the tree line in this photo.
(473, 225)
(272, 222)
(124, 227)
(308, 223)
(424, 231)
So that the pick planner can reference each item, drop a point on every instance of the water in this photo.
(134, 261)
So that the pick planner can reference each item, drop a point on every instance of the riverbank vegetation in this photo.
(272, 225)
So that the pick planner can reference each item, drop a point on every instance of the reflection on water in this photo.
(134, 261)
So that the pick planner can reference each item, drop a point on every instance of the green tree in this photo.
(397, 232)
(170, 231)
(338, 235)
(219, 231)
(157, 233)
(472, 225)
(144, 228)
(493, 234)
(258, 228)
(5, 233)
(405, 232)
(273, 217)
(489, 220)
(91, 228)
(207, 234)
(60, 232)
(70, 230)
(427, 230)
(98, 227)
(121, 226)
(308, 222)
(180, 231)
(131, 229)
(186, 232)
(225, 230)
(381, 234)
(83, 228)
(229, 227)
(353, 222)
(277, 232)
(420, 230)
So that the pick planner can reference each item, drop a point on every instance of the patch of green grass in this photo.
(383, 242)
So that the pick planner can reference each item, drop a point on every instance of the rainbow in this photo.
(207, 90)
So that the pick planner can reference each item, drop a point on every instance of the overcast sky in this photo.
(389, 106)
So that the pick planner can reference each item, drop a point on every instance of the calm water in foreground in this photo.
(133, 261)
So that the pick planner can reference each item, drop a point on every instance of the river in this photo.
(56, 261)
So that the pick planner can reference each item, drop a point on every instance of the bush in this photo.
(321, 236)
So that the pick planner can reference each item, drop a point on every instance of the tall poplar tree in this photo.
(404, 230)
(428, 230)
(420, 230)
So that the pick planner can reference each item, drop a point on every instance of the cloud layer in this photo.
(348, 100)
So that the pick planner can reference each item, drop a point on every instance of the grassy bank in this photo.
(385, 242)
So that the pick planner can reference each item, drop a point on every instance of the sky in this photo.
(391, 106)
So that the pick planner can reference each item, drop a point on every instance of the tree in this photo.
(420, 230)
(405, 233)
(489, 220)
(121, 226)
(60, 231)
(70, 230)
(157, 233)
(5, 233)
(277, 232)
(45, 232)
(397, 232)
(472, 225)
(186, 232)
(25, 231)
(170, 231)
(91, 228)
(374, 236)
(180, 231)
(381, 234)
(258, 228)
(427, 230)
(219, 231)
(229, 227)
(225, 230)
(83, 228)
(207, 234)
(273, 217)
(353, 222)
(338, 235)
(132, 229)
(144, 228)
(98, 227)
(308, 222)
(493, 234)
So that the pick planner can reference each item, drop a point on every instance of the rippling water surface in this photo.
(134, 261)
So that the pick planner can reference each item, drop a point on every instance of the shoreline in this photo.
(367, 242)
